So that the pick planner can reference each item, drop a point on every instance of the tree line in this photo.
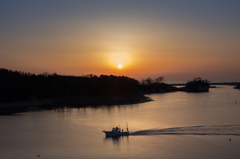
(86, 89)
(198, 85)
(150, 85)
(19, 86)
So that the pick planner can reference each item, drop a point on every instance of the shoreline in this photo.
(25, 106)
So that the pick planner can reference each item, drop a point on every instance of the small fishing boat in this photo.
(116, 131)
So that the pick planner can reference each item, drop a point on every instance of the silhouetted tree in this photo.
(197, 85)
(149, 81)
(156, 86)
(159, 79)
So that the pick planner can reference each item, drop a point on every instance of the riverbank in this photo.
(24, 106)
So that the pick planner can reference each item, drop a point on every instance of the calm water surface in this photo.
(171, 126)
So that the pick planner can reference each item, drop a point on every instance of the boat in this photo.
(116, 131)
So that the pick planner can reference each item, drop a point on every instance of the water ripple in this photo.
(194, 130)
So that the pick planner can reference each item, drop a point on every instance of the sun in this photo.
(119, 60)
(119, 65)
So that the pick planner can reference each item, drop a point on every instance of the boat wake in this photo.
(194, 130)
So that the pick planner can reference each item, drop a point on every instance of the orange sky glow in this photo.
(179, 43)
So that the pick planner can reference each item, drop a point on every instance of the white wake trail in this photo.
(194, 130)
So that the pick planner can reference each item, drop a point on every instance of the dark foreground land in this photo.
(21, 91)
(24, 91)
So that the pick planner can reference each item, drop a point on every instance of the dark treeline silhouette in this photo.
(91, 89)
(197, 85)
(156, 86)
(53, 90)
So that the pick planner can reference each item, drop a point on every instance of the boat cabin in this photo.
(116, 129)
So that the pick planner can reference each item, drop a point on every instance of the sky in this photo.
(179, 40)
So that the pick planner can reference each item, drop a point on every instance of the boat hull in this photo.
(110, 133)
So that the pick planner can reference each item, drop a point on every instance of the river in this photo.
(175, 125)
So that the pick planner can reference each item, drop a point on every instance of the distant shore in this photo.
(24, 106)
(215, 83)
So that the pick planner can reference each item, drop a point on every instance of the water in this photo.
(174, 125)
